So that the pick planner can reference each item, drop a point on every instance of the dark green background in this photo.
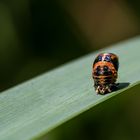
(36, 36)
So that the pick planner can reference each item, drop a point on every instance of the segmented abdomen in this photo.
(104, 73)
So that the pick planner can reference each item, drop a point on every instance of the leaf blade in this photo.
(41, 104)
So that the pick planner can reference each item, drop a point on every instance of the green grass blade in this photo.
(39, 105)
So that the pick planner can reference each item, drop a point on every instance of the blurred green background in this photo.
(36, 36)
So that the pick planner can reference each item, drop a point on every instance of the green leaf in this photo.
(34, 108)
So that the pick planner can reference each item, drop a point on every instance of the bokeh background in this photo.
(37, 36)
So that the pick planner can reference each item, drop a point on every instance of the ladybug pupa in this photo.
(105, 72)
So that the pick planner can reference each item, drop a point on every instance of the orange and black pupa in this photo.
(105, 72)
